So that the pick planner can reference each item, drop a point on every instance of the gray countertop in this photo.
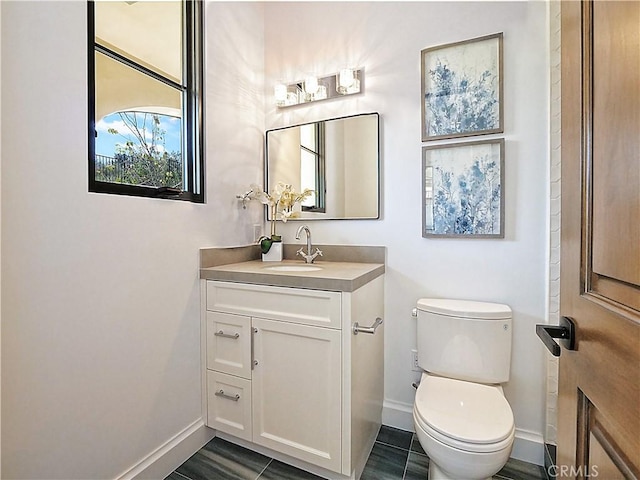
(335, 276)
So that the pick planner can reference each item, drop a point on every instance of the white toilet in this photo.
(462, 419)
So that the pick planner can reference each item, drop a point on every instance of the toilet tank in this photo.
(464, 339)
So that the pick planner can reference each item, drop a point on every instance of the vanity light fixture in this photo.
(347, 81)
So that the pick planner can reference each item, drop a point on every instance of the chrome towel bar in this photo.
(371, 330)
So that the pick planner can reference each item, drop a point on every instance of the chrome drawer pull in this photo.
(220, 393)
(371, 330)
(226, 335)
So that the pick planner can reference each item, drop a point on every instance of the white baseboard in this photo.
(170, 455)
(398, 415)
(528, 446)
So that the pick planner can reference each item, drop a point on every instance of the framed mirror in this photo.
(339, 159)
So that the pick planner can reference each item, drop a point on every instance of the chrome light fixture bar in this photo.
(347, 81)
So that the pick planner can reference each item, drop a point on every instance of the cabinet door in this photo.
(229, 344)
(297, 391)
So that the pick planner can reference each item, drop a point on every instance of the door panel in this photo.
(599, 383)
(601, 462)
(297, 393)
(616, 135)
(614, 105)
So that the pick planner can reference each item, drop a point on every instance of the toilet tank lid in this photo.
(465, 308)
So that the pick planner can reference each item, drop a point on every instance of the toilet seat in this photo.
(464, 415)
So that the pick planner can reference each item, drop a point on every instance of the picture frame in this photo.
(463, 190)
(462, 88)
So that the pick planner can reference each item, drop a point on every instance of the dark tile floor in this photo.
(396, 455)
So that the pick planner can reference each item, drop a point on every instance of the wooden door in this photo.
(599, 391)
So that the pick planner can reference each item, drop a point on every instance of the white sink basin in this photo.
(293, 268)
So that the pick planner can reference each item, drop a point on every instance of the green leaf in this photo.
(265, 244)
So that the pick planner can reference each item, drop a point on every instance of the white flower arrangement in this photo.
(281, 201)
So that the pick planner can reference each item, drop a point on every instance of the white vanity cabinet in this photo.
(284, 370)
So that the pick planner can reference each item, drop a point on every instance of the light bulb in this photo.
(321, 93)
(346, 78)
(311, 84)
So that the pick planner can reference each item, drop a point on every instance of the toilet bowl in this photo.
(467, 429)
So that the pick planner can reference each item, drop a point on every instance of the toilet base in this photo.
(461, 464)
(436, 473)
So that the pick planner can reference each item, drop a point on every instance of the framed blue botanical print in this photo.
(462, 89)
(463, 189)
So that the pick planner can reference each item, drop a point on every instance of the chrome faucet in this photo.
(308, 257)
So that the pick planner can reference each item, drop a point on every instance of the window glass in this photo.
(120, 88)
(139, 148)
(138, 138)
(148, 33)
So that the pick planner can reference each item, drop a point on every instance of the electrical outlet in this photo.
(257, 232)
(414, 361)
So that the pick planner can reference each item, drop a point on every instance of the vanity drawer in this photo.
(296, 305)
(229, 404)
(229, 344)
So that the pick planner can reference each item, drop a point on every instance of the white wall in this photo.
(386, 38)
(100, 311)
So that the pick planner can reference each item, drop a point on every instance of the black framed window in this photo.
(145, 99)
